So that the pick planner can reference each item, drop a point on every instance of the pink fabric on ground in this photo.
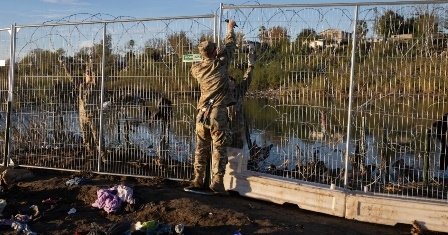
(107, 200)
(110, 199)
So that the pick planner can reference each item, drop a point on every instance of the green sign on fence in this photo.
(191, 57)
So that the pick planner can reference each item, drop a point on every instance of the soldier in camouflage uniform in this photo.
(236, 112)
(212, 126)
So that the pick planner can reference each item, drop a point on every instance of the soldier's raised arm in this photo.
(247, 78)
(225, 53)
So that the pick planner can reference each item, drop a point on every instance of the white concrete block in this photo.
(386, 210)
(380, 209)
(280, 190)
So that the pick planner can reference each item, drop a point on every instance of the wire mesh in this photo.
(401, 97)
(5, 41)
(153, 96)
(303, 62)
(140, 120)
(142, 114)
(298, 123)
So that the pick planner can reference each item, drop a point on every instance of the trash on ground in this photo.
(111, 199)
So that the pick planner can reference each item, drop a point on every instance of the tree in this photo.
(389, 24)
(425, 24)
(39, 62)
(307, 34)
(272, 36)
(239, 39)
(155, 49)
(263, 34)
(303, 40)
(180, 43)
(361, 29)
(277, 34)
(130, 45)
(205, 37)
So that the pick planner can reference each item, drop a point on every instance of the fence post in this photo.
(103, 65)
(219, 25)
(215, 22)
(426, 156)
(11, 75)
(350, 96)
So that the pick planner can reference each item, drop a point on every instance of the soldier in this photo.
(212, 127)
(236, 112)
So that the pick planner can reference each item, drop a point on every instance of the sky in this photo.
(36, 12)
(24, 12)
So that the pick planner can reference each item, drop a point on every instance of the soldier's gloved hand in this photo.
(231, 24)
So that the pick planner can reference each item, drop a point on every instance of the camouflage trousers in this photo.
(212, 141)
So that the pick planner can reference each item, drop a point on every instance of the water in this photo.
(298, 130)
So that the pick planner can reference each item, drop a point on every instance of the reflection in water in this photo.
(299, 133)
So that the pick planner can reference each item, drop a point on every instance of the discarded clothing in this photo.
(107, 200)
(76, 181)
(6, 222)
(153, 227)
(125, 193)
(23, 218)
(111, 199)
(21, 227)
(150, 225)
(2, 206)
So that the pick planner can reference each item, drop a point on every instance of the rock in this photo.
(14, 175)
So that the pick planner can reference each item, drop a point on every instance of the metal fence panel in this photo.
(301, 134)
(110, 96)
(153, 96)
(5, 41)
(304, 58)
(49, 83)
(400, 94)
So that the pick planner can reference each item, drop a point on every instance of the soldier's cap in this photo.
(206, 48)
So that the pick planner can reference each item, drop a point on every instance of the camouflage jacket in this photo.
(213, 76)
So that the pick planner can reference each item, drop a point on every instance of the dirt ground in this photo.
(166, 202)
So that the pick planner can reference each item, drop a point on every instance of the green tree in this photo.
(277, 34)
(155, 49)
(39, 62)
(95, 54)
(389, 24)
(205, 37)
(425, 24)
(263, 34)
(180, 43)
(307, 34)
(361, 29)
(130, 44)
(304, 38)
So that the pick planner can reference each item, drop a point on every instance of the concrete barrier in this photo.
(279, 190)
(391, 211)
(366, 207)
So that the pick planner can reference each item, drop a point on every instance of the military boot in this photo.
(217, 184)
(196, 183)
